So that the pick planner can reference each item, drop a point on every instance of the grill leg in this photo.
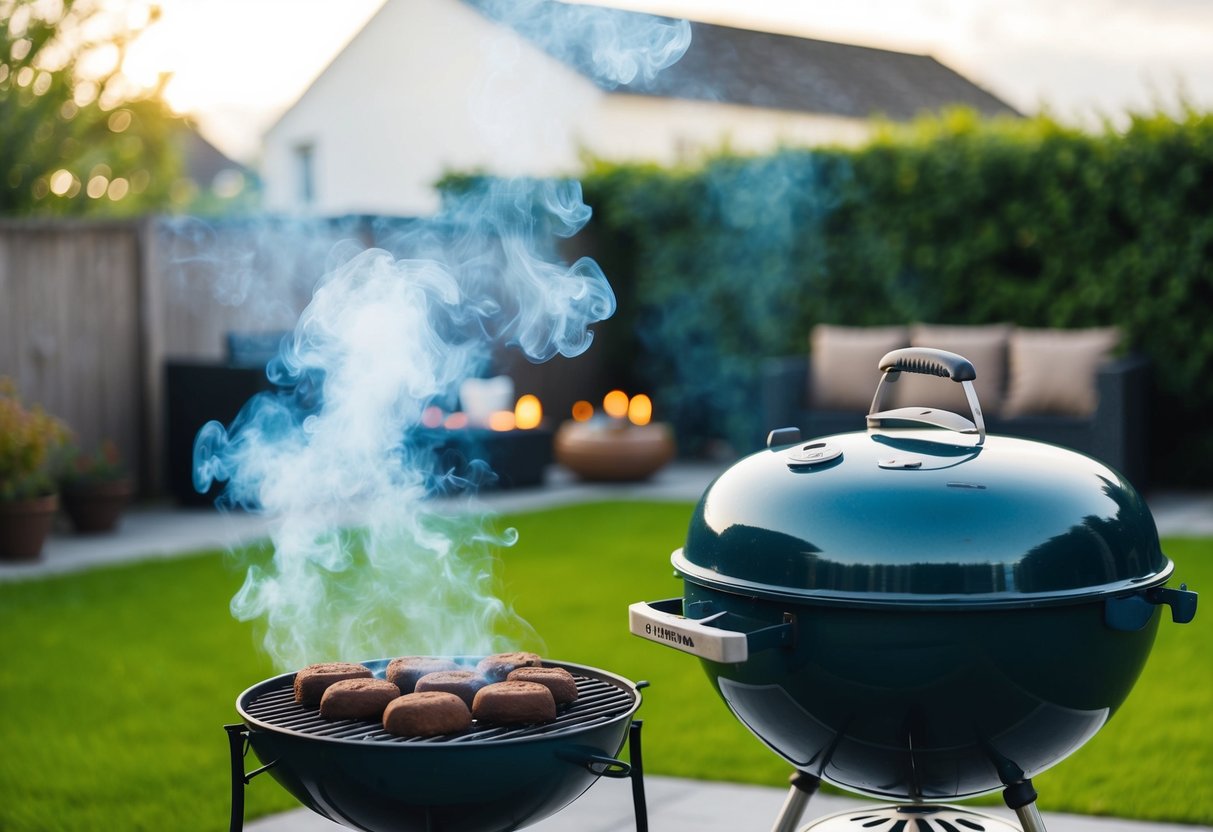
(804, 786)
(1021, 797)
(236, 735)
(639, 804)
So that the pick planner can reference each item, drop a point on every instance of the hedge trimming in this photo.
(953, 219)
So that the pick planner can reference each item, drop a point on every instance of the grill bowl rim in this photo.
(284, 680)
(935, 602)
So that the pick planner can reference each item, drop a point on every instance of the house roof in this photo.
(765, 69)
(203, 161)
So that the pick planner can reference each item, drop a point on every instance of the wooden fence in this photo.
(70, 333)
(91, 312)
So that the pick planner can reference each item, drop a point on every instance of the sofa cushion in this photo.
(1054, 370)
(984, 346)
(843, 363)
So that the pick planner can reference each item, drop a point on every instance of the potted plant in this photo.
(94, 488)
(31, 441)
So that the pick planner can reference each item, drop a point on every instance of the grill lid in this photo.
(900, 514)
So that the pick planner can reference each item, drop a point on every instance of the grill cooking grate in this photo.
(598, 701)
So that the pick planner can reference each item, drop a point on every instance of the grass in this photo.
(114, 684)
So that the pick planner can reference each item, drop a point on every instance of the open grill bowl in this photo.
(486, 779)
(919, 614)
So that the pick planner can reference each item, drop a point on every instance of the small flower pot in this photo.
(24, 525)
(96, 507)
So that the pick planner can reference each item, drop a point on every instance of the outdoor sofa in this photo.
(1065, 387)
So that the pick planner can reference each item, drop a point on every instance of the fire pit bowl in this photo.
(919, 614)
(614, 453)
(486, 779)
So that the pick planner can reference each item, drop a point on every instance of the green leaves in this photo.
(75, 137)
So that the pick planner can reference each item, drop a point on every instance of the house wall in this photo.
(432, 86)
(429, 86)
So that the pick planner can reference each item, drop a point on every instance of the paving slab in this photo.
(678, 805)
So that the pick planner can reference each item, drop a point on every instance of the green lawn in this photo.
(115, 683)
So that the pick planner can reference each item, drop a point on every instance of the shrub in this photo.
(31, 442)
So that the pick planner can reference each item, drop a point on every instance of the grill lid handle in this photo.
(931, 362)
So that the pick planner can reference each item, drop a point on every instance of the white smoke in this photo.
(362, 565)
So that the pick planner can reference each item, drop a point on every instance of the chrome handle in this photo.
(930, 362)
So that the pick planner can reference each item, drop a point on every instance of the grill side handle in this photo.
(1132, 612)
(708, 637)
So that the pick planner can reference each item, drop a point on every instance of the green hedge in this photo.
(950, 220)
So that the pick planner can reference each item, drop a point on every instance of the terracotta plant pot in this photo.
(24, 525)
(97, 507)
(614, 453)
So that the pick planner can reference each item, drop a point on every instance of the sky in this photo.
(239, 64)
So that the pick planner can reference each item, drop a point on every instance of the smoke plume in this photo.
(362, 565)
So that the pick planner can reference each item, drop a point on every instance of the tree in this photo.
(76, 137)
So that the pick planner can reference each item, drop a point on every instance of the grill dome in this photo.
(922, 517)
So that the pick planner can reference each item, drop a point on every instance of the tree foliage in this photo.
(77, 138)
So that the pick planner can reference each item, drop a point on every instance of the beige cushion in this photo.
(844, 362)
(1053, 370)
(984, 346)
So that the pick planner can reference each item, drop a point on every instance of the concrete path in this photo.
(165, 530)
(677, 805)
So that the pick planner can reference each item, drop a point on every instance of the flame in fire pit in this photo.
(640, 410)
(528, 412)
(615, 403)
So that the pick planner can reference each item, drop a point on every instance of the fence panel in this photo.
(69, 332)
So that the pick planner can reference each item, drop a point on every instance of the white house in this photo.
(436, 86)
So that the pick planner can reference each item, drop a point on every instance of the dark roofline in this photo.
(765, 69)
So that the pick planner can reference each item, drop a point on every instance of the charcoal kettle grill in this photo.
(918, 612)
(485, 779)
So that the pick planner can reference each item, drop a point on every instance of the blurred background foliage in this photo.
(77, 137)
(953, 219)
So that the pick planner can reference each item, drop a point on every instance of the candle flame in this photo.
(616, 404)
(640, 410)
(501, 420)
(528, 412)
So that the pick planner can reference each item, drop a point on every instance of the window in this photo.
(305, 173)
